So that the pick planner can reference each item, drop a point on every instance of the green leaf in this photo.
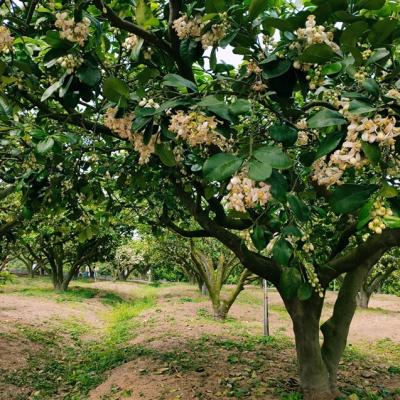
(371, 86)
(299, 208)
(353, 32)
(259, 171)
(177, 81)
(329, 143)
(282, 251)
(359, 107)
(45, 145)
(163, 150)
(257, 7)
(273, 156)
(275, 68)
(115, 90)
(389, 191)
(144, 15)
(289, 282)
(215, 6)
(304, 291)
(284, 134)
(279, 186)
(364, 216)
(221, 166)
(372, 151)
(377, 55)
(317, 54)
(52, 89)
(350, 197)
(240, 106)
(91, 76)
(331, 69)
(188, 50)
(3, 67)
(392, 222)
(216, 106)
(370, 4)
(258, 238)
(292, 230)
(324, 118)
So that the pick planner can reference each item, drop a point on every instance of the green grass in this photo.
(67, 367)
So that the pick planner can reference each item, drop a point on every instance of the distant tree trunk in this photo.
(372, 285)
(363, 297)
(214, 276)
(91, 272)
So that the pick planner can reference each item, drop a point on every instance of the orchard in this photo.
(135, 112)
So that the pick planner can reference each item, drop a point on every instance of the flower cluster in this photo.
(326, 174)
(197, 129)
(379, 212)
(377, 130)
(6, 40)
(314, 34)
(70, 62)
(192, 28)
(148, 103)
(246, 193)
(315, 77)
(121, 126)
(259, 86)
(214, 35)
(130, 42)
(76, 32)
(311, 34)
(188, 28)
(302, 139)
(312, 278)
(144, 150)
(253, 68)
(394, 93)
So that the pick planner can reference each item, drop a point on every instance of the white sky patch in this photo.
(226, 56)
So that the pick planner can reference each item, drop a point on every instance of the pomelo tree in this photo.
(288, 160)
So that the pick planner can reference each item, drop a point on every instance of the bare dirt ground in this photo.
(193, 357)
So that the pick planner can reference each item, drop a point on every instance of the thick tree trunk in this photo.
(220, 310)
(314, 374)
(363, 298)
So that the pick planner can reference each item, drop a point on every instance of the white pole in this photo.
(266, 311)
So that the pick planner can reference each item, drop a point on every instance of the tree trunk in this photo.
(363, 298)
(122, 276)
(314, 375)
(220, 310)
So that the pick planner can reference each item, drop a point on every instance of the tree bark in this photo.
(314, 373)
(363, 298)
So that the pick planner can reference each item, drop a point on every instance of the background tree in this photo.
(294, 149)
(132, 257)
(215, 270)
(378, 276)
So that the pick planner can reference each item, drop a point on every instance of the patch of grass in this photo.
(66, 369)
(74, 294)
(352, 354)
(47, 338)
(291, 396)
(110, 298)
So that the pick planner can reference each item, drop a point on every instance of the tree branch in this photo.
(199, 233)
(120, 23)
(373, 248)
(73, 119)
(258, 264)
